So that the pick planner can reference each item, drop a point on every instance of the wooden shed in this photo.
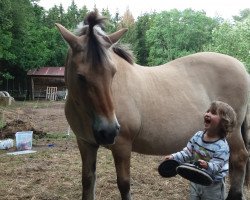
(47, 83)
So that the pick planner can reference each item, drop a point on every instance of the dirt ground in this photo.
(54, 171)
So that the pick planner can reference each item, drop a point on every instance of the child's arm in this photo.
(186, 154)
(219, 159)
(183, 156)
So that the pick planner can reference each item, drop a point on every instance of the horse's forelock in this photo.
(96, 53)
(93, 21)
(93, 18)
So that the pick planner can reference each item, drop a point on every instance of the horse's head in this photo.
(89, 74)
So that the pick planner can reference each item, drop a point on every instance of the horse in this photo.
(115, 103)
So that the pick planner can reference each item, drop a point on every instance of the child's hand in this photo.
(203, 164)
(168, 157)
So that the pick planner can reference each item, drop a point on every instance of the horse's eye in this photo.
(81, 78)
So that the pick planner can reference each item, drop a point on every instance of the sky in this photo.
(223, 8)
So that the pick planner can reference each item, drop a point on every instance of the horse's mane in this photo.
(93, 26)
(124, 52)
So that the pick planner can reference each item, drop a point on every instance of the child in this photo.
(210, 149)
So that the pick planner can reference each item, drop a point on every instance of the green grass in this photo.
(2, 124)
(59, 136)
(29, 104)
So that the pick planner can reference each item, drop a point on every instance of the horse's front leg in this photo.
(122, 155)
(238, 161)
(88, 155)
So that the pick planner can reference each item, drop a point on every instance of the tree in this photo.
(127, 19)
(110, 26)
(55, 14)
(72, 16)
(141, 47)
(6, 24)
(17, 18)
(244, 14)
(83, 13)
(30, 41)
(174, 34)
(232, 39)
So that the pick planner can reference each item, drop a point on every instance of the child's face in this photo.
(212, 120)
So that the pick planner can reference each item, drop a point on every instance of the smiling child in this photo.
(210, 149)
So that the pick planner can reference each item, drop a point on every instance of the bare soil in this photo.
(54, 171)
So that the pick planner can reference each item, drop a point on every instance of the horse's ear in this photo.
(69, 37)
(114, 37)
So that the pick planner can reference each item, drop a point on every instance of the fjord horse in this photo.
(126, 107)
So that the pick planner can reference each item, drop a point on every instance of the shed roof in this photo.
(47, 71)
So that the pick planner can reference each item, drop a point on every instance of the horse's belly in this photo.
(167, 136)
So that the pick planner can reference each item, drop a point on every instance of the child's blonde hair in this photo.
(227, 115)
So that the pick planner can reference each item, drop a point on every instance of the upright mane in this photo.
(96, 54)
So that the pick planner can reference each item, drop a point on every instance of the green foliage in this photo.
(6, 25)
(111, 23)
(141, 47)
(55, 14)
(232, 39)
(244, 14)
(174, 34)
(29, 37)
(72, 16)
(6, 75)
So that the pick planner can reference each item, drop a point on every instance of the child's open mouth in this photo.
(207, 120)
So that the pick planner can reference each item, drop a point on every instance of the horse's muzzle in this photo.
(105, 132)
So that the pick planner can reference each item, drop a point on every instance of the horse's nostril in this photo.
(118, 127)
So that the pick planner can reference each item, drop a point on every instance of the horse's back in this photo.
(208, 75)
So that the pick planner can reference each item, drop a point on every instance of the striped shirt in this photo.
(215, 153)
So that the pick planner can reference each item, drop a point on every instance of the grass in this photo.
(58, 136)
(2, 124)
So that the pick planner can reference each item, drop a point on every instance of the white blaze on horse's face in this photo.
(89, 75)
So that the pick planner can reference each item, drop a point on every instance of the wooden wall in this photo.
(39, 84)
